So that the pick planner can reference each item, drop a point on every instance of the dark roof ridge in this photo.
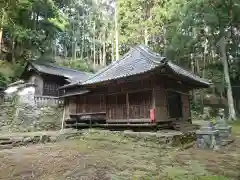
(57, 66)
(155, 57)
(149, 51)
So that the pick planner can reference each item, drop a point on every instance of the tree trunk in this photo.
(1, 30)
(104, 49)
(222, 45)
(82, 46)
(112, 47)
(65, 51)
(192, 67)
(94, 46)
(100, 54)
(74, 48)
(203, 73)
(146, 36)
(13, 50)
(83, 39)
(116, 32)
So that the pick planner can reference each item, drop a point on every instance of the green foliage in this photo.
(30, 25)
(9, 72)
(184, 31)
(78, 64)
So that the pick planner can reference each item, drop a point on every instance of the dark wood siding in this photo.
(140, 104)
(135, 105)
(116, 106)
(174, 104)
(91, 104)
(133, 100)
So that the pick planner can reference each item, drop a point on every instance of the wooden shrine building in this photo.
(48, 77)
(141, 88)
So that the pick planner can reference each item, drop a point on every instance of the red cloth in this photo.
(152, 115)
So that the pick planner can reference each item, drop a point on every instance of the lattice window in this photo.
(50, 89)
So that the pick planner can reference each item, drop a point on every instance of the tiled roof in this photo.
(137, 61)
(70, 74)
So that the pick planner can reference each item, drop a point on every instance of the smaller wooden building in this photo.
(48, 77)
(142, 88)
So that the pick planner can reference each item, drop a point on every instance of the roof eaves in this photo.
(75, 94)
(179, 70)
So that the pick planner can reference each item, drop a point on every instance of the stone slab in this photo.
(205, 132)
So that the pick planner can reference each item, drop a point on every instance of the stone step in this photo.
(225, 142)
(5, 142)
(8, 146)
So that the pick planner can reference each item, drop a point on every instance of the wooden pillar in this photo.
(153, 98)
(84, 103)
(127, 103)
(65, 108)
(75, 101)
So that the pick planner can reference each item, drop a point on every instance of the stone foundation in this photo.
(172, 138)
(23, 117)
(23, 139)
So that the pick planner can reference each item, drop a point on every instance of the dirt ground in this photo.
(104, 157)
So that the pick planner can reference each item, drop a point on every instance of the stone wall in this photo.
(20, 113)
(24, 117)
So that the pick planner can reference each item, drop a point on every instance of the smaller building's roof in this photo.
(75, 93)
(70, 75)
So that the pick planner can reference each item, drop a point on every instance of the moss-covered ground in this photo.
(101, 156)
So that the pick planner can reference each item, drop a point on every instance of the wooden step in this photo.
(5, 139)
(183, 126)
(79, 125)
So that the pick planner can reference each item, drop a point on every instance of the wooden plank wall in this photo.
(117, 106)
(90, 103)
(140, 104)
(113, 99)
(161, 104)
(72, 105)
(134, 105)
(186, 107)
